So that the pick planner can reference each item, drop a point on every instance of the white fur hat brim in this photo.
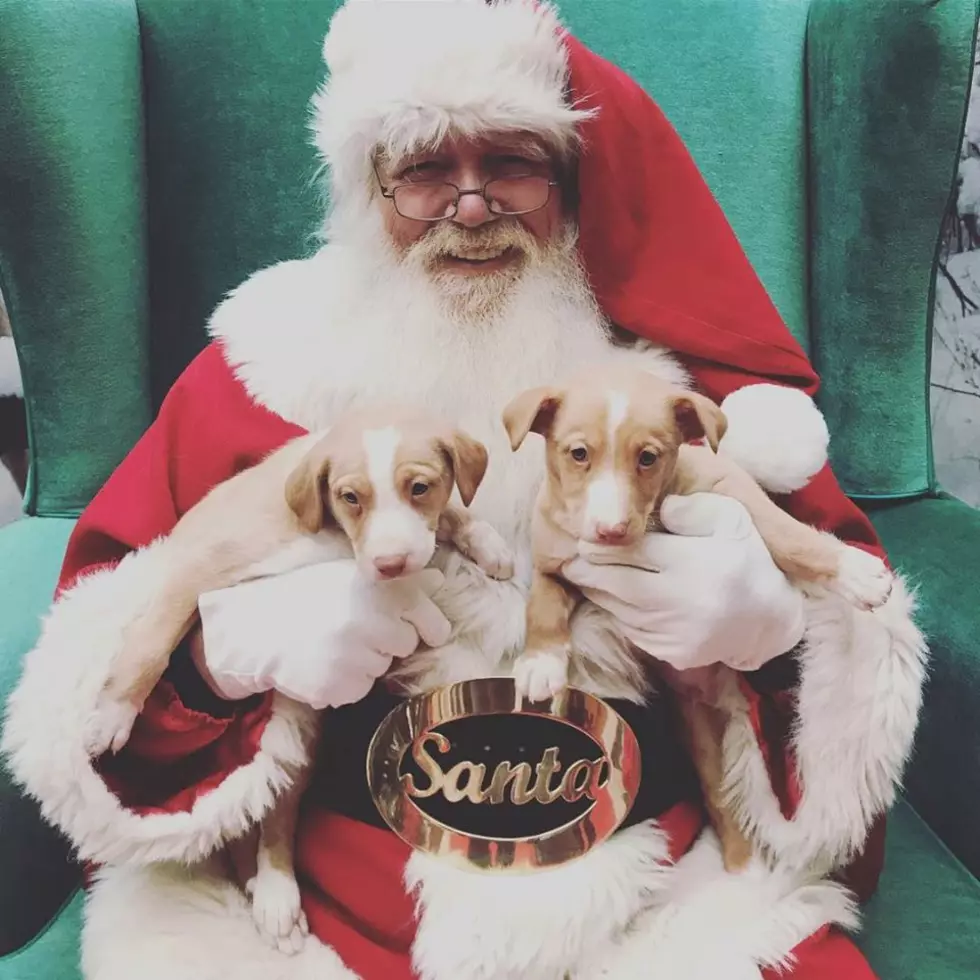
(404, 74)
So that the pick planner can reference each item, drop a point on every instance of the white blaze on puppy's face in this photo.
(607, 501)
(395, 538)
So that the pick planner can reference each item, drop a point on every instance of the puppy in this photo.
(618, 441)
(377, 487)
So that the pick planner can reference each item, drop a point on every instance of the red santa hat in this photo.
(660, 255)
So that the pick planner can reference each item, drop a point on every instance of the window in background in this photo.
(956, 338)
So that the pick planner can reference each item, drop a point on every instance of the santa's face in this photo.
(478, 249)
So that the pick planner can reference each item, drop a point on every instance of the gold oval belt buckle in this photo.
(474, 774)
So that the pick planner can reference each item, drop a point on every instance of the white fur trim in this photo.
(407, 73)
(776, 434)
(542, 925)
(47, 715)
(621, 913)
(10, 379)
(707, 923)
(166, 921)
(858, 706)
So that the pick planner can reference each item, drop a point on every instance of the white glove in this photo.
(707, 593)
(321, 634)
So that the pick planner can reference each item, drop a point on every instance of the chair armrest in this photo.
(935, 542)
(37, 869)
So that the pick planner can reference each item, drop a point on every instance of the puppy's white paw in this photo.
(481, 542)
(539, 676)
(277, 910)
(862, 579)
(109, 726)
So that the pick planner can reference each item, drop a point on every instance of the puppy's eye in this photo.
(579, 453)
(419, 488)
(349, 497)
(647, 459)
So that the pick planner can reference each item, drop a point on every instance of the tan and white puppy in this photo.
(377, 486)
(618, 441)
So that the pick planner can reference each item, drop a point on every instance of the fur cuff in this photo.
(48, 714)
(709, 923)
(858, 706)
(167, 922)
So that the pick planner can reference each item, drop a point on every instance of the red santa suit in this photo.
(818, 756)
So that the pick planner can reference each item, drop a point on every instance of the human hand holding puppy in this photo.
(321, 635)
(707, 592)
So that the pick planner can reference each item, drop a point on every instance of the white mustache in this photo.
(487, 241)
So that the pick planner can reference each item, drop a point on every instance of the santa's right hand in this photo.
(321, 635)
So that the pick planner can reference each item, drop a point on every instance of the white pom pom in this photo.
(776, 434)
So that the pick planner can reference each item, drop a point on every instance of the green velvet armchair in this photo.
(153, 153)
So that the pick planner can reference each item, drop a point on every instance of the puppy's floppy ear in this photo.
(304, 488)
(531, 411)
(469, 459)
(698, 417)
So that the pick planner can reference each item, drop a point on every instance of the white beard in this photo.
(354, 325)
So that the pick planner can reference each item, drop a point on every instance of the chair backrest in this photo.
(153, 154)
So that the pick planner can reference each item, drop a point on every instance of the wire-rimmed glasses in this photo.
(437, 200)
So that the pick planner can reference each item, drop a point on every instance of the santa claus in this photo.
(505, 206)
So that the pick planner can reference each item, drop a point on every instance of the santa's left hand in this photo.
(706, 593)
